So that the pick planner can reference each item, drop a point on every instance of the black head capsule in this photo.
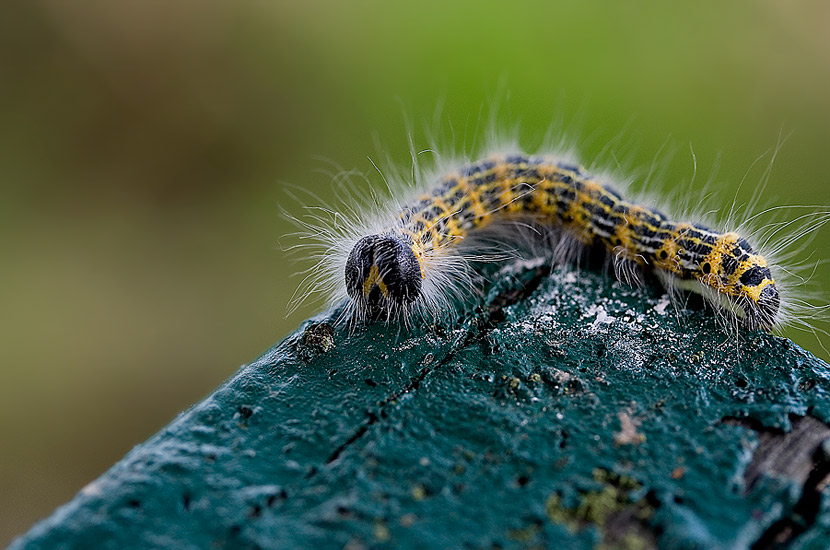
(763, 313)
(383, 275)
(761, 309)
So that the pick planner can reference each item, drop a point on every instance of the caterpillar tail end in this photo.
(383, 276)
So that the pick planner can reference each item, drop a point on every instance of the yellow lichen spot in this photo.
(381, 531)
(526, 535)
(600, 508)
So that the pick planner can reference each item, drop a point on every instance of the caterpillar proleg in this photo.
(413, 256)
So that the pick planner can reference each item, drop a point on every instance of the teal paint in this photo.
(488, 432)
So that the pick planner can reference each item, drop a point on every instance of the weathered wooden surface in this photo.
(562, 411)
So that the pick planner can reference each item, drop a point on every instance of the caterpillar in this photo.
(415, 255)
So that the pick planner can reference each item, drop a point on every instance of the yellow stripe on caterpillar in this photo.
(372, 280)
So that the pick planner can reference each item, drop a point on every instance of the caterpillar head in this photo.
(383, 276)
(742, 281)
(759, 299)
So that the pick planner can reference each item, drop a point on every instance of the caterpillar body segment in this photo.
(386, 273)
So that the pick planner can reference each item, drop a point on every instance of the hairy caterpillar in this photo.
(413, 256)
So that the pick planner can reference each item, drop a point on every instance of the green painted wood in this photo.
(562, 411)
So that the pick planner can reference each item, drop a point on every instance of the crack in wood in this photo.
(495, 315)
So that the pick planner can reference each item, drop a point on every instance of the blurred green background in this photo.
(144, 147)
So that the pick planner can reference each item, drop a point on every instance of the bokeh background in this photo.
(145, 148)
